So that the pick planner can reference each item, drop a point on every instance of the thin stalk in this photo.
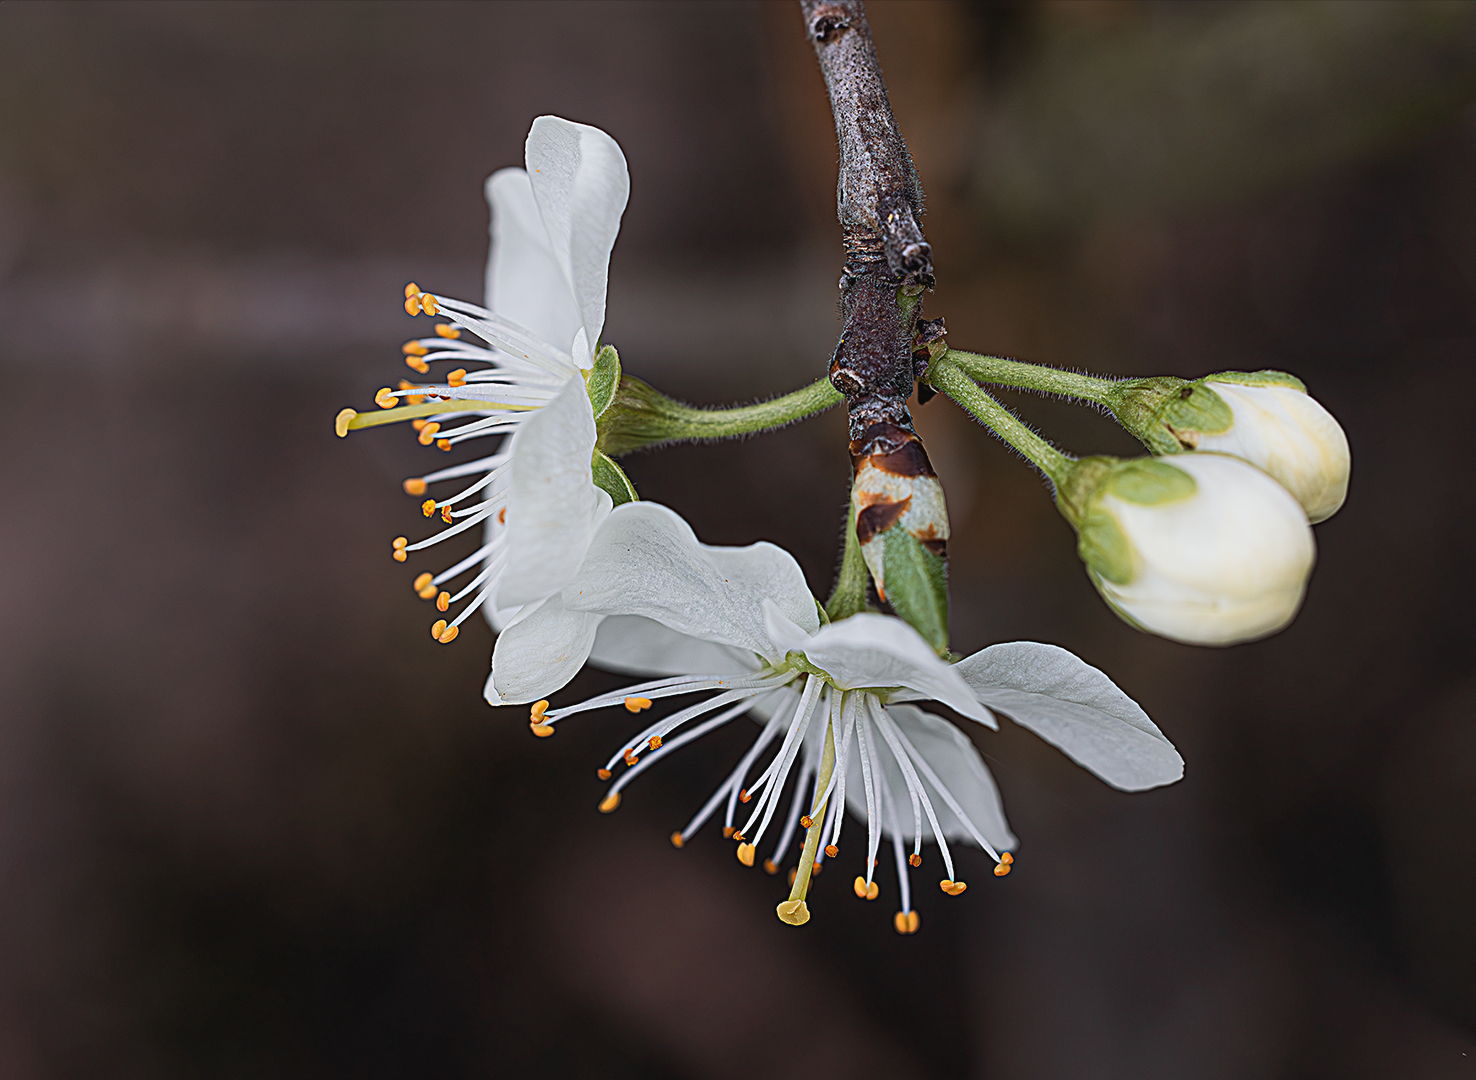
(953, 381)
(642, 416)
(794, 910)
(1047, 380)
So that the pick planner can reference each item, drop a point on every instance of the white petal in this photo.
(553, 506)
(525, 282)
(869, 650)
(633, 645)
(539, 652)
(646, 561)
(957, 764)
(1077, 708)
(581, 185)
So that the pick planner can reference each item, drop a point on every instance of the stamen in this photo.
(655, 742)
(457, 377)
(427, 592)
(770, 867)
(428, 507)
(728, 832)
(1006, 858)
(914, 859)
(906, 922)
(636, 704)
(398, 544)
(446, 515)
(603, 774)
(898, 745)
(385, 398)
(744, 796)
(865, 890)
(417, 365)
(610, 802)
(413, 348)
(443, 602)
(428, 433)
(535, 720)
(447, 331)
(341, 422)
(421, 582)
(952, 888)
(630, 758)
(1002, 869)
(806, 821)
(414, 486)
(677, 840)
(745, 854)
(831, 851)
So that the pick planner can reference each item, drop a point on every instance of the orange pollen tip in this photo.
(745, 854)
(1002, 869)
(871, 891)
(457, 377)
(414, 486)
(428, 304)
(914, 859)
(428, 507)
(428, 433)
(744, 796)
(413, 348)
(446, 331)
(417, 365)
(630, 758)
(815, 869)
(412, 305)
(831, 851)
(437, 628)
(427, 592)
(443, 444)
(385, 398)
(952, 888)
(443, 602)
(342, 421)
(676, 840)
(655, 742)
(448, 635)
(412, 290)
(1007, 858)
(543, 731)
(535, 714)
(728, 832)
(602, 773)
(737, 836)
(636, 704)
(399, 543)
(770, 867)
(806, 821)
(399, 555)
(446, 514)
(905, 922)
(859, 888)
(422, 581)
(609, 802)
(418, 424)
(502, 516)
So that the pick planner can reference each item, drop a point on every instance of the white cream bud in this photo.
(1203, 548)
(1283, 430)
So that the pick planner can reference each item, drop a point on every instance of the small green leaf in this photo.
(603, 379)
(611, 478)
(1265, 377)
(1148, 482)
(1104, 548)
(917, 585)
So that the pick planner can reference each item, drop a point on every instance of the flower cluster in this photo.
(1206, 542)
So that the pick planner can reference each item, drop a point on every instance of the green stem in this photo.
(1048, 380)
(849, 595)
(794, 910)
(641, 416)
(953, 381)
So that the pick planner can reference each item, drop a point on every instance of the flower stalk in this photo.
(951, 379)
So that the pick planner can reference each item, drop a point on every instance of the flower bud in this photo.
(1264, 417)
(902, 524)
(1202, 548)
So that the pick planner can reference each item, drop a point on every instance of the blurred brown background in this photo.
(254, 822)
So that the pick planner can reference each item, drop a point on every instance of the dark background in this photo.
(253, 821)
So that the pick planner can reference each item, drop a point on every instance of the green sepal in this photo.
(1104, 549)
(1265, 377)
(610, 477)
(1148, 482)
(917, 585)
(1196, 408)
(603, 379)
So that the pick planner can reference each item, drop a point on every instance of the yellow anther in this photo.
(399, 555)
(831, 851)
(859, 887)
(728, 832)
(655, 742)
(421, 582)
(636, 704)
(443, 444)
(457, 377)
(535, 714)
(427, 592)
(905, 922)
(412, 305)
(610, 802)
(413, 348)
(414, 486)
(914, 859)
(952, 888)
(448, 635)
(793, 912)
(385, 398)
(448, 331)
(1002, 869)
(815, 870)
(443, 602)
(428, 433)
(745, 854)
(412, 290)
(770, 867)
(437, 628)
(737, 836)
(446, 515)
(428, 304)
(676, 840)
(603, 773)
(871, 891)
(428, 507)
(806, 821)
(419, 423)
(417, 365)
(543, 731)
(1007, 858)
(629, 756)
(342, 421)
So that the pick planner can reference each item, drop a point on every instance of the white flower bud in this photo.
(1282, 429)
(1202, 548)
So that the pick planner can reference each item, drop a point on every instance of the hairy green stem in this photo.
(952, 380)
(641, 416)
(1048, 380)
